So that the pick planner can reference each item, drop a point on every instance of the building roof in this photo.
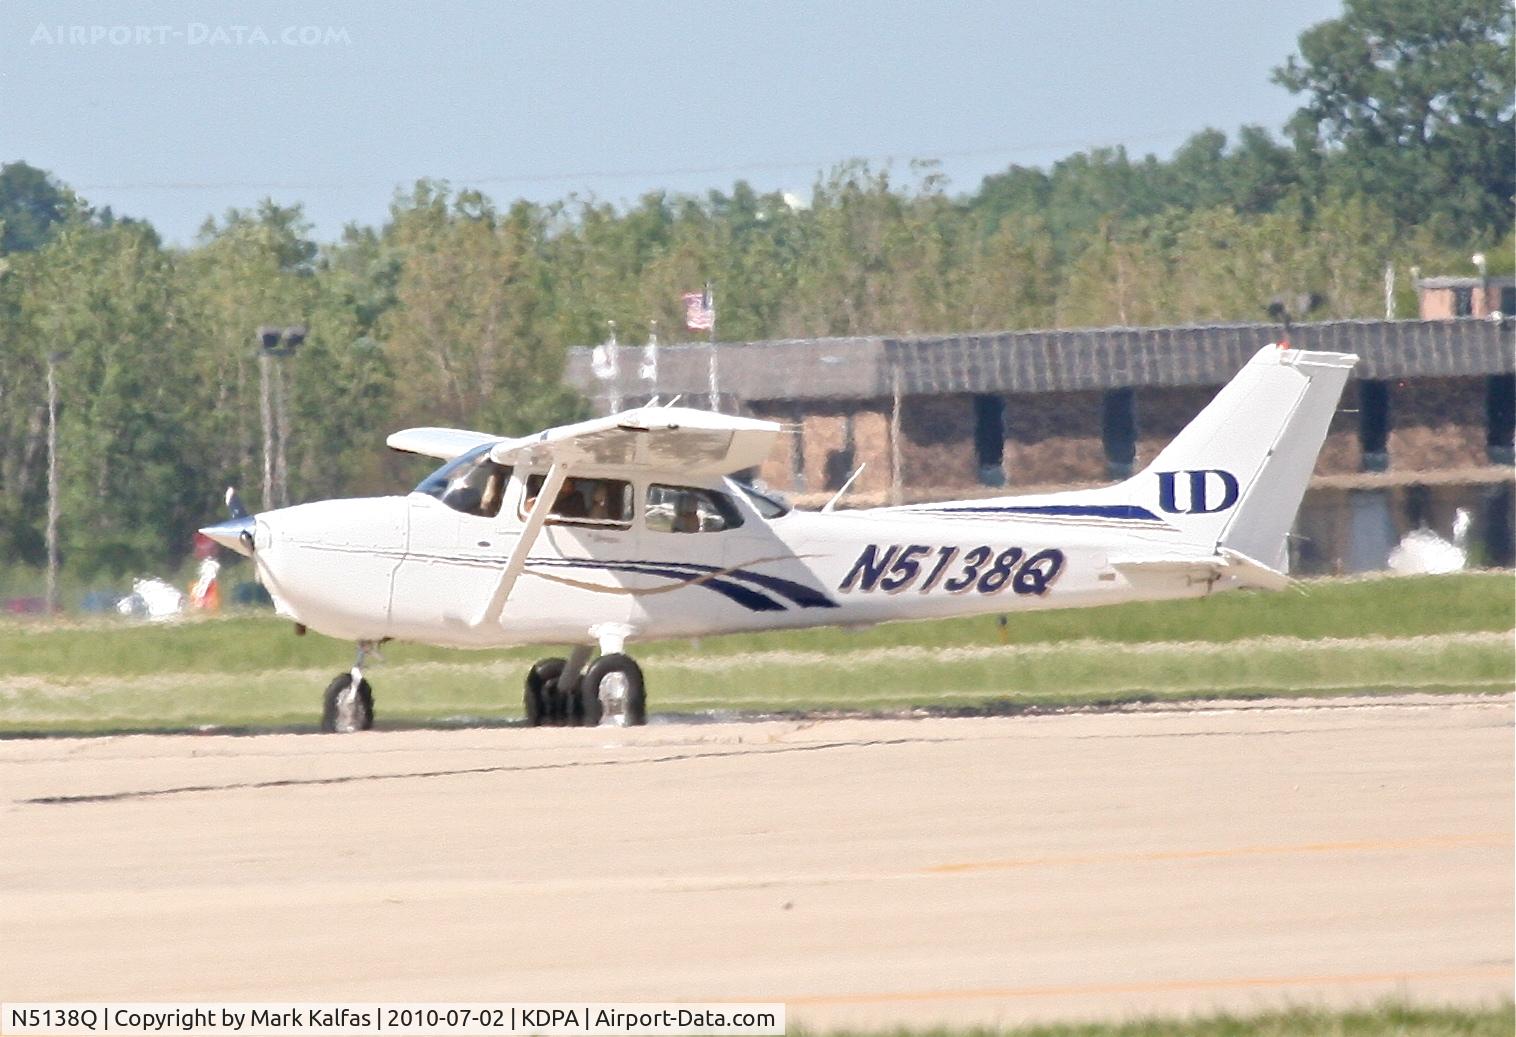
(1465, 282)
(868, 367)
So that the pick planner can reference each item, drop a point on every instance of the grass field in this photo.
(1447, 633)
(1390, 1020)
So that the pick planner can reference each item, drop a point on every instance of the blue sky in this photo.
(174, 111)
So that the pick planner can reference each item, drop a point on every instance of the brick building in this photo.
(1425, 427)
(1443, 298)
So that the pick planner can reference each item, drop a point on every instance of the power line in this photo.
(613, 174)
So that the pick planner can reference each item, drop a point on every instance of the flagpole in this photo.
(650, 359)
(710, 301)
(613, 353)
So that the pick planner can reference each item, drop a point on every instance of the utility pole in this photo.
(265, 409)
(275, 345)
(281, 424)
(53, 360)
(897, 493)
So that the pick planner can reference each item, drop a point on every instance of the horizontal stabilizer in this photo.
(1225, 564)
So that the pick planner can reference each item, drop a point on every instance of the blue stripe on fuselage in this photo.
(1127, 512)
(799, 593)
(748, 598)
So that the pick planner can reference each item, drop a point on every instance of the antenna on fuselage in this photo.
(832, 504)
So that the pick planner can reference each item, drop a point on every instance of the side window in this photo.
(683, 509)
(585, 502)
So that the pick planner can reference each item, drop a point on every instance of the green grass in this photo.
(1387, 1020)
(1437, 634)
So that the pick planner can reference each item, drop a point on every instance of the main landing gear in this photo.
(569, 693)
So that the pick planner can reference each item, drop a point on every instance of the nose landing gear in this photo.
(348, 704)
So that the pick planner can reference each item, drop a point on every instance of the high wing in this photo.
(441, 443)
(672, 439)
(676, 440)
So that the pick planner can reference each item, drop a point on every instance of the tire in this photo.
(541, 691)
(572, 705)
(627, 695)
(343, 712)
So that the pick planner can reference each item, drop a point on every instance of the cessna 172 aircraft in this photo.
(631, 527)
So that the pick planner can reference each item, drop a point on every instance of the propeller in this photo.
(236, 533)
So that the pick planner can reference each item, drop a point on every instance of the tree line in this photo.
(458, 309)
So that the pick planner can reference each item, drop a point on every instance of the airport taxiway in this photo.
(865, 872)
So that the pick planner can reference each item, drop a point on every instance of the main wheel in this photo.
(542, 691)
(613, 688)
(344, 708)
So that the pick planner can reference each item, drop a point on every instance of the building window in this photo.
(1500, 418)
(1118, 431)
(989, 439)
(1374, 424)
(1508, 301)
(1463, 302)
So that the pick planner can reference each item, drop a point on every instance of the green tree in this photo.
(249, 269)
(467, 339)
(1009, 279)
(1118, 281)
(1411, 101)
(130, 486)
(23, 417)
(32, 205)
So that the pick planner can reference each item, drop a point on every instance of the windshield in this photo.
(470, 483)
(767, 504)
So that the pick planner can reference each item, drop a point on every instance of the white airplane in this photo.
(631, 527)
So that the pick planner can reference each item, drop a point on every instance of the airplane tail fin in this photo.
(1234, 477)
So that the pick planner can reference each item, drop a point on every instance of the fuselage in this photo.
(420, 567)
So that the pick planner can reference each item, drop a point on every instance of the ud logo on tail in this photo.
(1209, 490)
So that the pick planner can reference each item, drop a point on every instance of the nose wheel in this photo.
(610, 690)
(347, 707)
(348, 704)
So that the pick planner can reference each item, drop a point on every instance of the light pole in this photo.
(275, 344)
(53, 360)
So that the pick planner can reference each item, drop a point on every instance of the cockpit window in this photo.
(769, 506)
(684, 509)
(470, 483)
(585, 502)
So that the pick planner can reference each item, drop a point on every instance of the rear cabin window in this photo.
(685, 509)
(585, 502)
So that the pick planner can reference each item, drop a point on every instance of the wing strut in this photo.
(524, 544)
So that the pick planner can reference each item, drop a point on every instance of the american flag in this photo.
(699, 310)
